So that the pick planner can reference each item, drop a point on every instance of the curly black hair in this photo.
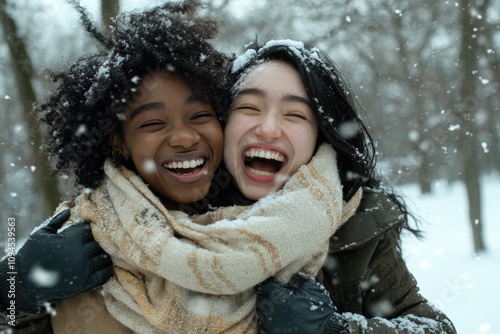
(93, 93)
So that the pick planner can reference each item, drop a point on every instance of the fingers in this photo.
(91, 250)
(79, 232)
(100, 260)
(57, 221)
(265, 310)
(99, 277)
(270, 287)
(312, 288)
(265, 303)
(100, 264)
(309, 283)
(309, 287)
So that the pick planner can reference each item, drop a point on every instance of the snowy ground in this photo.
(464, 286)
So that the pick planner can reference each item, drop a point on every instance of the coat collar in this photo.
(376, 214)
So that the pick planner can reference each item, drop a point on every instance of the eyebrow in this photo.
(250, 91)
(195, 98)
(261, 93)
(147, 107)
(192, 99)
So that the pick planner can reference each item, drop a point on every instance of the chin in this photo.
(257, 194)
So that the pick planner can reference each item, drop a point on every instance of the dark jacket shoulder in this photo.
(367, 277)
(377, 213)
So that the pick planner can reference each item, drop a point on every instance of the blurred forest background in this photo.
(427, 73)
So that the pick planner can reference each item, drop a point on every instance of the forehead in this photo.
(160, 86)
(158, 80)
(273, 75)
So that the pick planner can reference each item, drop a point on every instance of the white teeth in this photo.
(264, 154)
(185, 164)
(259, 172)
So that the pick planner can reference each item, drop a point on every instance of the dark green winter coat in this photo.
(368, 279)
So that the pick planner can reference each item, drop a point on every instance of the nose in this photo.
(183, 136)
(269, 126)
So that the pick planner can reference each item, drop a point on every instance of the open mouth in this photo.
(185, 167)
(264, 162)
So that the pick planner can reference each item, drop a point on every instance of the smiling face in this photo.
(271, 130)
(173, 137)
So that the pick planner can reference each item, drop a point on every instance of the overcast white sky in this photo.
(239, 7)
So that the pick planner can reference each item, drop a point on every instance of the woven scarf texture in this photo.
(176, 273)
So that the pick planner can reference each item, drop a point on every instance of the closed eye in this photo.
(297, 115)
(246, 107)
(203, 116)
(151, 123)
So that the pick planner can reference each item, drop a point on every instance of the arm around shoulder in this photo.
(390, 297)
(344, 323)
(18, 314)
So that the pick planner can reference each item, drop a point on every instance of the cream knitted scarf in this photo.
(195, 274)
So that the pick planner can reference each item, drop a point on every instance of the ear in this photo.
(118, 146)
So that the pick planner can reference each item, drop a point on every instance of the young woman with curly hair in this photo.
(163, 51)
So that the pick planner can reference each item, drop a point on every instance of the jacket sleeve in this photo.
(28, 324)
(16, 309)
(390, 298)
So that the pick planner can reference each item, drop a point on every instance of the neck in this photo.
(194, 208)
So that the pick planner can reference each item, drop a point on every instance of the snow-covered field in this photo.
(465, 286)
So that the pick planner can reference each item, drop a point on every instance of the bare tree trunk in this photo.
(22, 67)
(468, 142)
(424, 175)
(493, 107)
(413, 81)
(109, 9)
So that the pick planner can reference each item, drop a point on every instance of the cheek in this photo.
(311, 135)
(215, 134)
(230, 151)
(304, 142)
(231, 140)
(219, 146)
(215, 139)
(233, 132)
(143, 147)
(233, 128)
